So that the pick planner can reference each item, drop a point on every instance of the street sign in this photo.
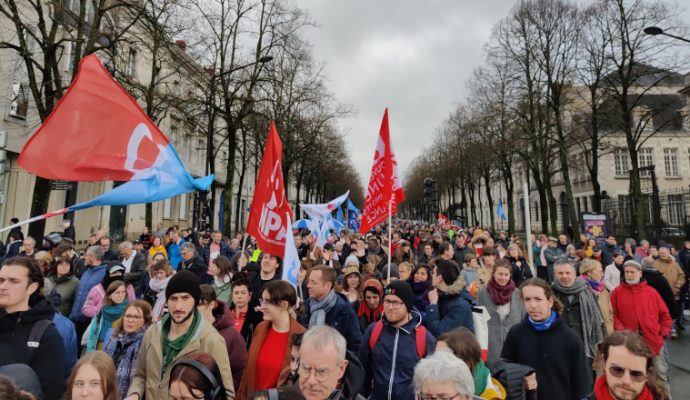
(61, 185)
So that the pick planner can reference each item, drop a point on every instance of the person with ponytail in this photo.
(502, 300)
(543, 341)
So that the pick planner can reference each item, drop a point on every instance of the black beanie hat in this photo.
(184, 282)
(403, 290)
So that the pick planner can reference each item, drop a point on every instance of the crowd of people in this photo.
(455, 314)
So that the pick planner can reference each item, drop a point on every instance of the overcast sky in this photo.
(413, 57)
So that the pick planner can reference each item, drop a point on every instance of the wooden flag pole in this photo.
(390, 237)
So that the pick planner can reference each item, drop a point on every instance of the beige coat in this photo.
(604, 302)
(673, 274)
(147, 373)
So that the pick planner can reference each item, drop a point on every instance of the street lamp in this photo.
(655, 30)
(211, 110)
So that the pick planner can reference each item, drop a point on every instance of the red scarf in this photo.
(500, 294)
(372, 315)
(601, 390)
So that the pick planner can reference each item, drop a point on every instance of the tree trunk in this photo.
(490, 199)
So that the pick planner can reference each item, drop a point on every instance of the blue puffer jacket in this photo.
(390, 366)
(174, 255)
(65, 328)
(91, 277)
(343, 318)
(454, 309)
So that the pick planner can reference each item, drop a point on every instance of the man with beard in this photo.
(180, 332)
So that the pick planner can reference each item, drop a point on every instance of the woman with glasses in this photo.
(269, 353)
(123, 346)
(442, 376)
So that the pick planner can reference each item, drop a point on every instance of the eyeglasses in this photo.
(264, 303)
(133, 317)
(321, 374)
(443, 396)
(635, 376)
(393, 304)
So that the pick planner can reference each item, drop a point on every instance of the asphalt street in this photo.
(679, 369)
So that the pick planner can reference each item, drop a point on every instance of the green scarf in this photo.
(103, 320)
(481, 376)
(171, 348)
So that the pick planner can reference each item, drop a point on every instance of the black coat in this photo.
(656, 280)
(198, 266)
(48, 360)
(557, 355)
(136, 271)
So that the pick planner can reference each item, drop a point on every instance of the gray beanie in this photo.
(395, 273)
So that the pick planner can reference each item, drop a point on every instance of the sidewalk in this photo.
(679, 368)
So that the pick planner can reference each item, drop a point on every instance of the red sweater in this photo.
(639, 308)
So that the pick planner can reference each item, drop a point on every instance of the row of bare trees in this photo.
(168, 43)
(560, 82)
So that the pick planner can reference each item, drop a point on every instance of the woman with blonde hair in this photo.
(93, 378)
(592, 272)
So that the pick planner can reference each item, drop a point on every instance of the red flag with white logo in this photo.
(384, 184)
(442, 219)
(270, 210)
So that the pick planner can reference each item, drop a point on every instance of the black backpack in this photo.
(33, 341)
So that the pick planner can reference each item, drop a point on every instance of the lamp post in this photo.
(655, 30)
(210, 158)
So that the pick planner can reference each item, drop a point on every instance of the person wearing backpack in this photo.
(27, 333)
(393, 346)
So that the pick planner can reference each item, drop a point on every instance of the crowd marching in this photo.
(457, 314)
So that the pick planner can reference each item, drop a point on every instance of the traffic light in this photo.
(428, 190)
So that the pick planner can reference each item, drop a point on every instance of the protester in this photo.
(64, 283)
(520, 268)
(421, 284)
(322, 363)
(674, 274)
(390, 358)
(192, 261)
(22, 307)
(269, 353)
(8, 390)
(215, 248)
(125, 343)
(469, 270)
(614, 271)
(450, 306)
(462, 343)
(370, 308)
(220, 269)
(592, 273)
(108, 253)
(181, 331)
(92, 277)
(325, 306)
(97, 294)
(267, 272)
(658, 282)
(134, 263)
(608, 250)
(217, 313)
(551, 254)
(443, 376)
(93, 377)
(173, 248)
(197, 376)
(157, 247)
(245, 318)
(161, 273)
(502, 300)
(352, 280)
(562, 371)
(109, 315)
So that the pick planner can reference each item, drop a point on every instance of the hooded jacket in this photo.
(91, 277)
(454, 309)
(365, 315)
(389, 367)
(48, 360)
(150, 381)
(237, 352)
(641, 309)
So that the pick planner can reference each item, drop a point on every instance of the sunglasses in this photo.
(635, 376)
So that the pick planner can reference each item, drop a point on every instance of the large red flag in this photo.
(384, 183)
(97, 132)
(270, 210)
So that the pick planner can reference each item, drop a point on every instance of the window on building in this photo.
(167, 209)
(201, 152)
(621, 162)
(671, 161)
(19, 104)
(536, 211)
(131, 62)
(645, 158)
(187, 148)
(674, 210)
(624, 209)
(183, 207)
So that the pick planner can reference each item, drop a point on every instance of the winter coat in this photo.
(124, 350)
(94, 301)
(198, 267)
(47, 360)
(673, 274)
(551, 254)
(498, 327)
(512, 377)
(557, 356)
(65, 328)
(389, 367)
(520, 272)
(656, 280)
(607, 252)
(246, 388)
(138, 268)
(66, 287)
(237, 352)
(223, 290)
(111, 255)
(342, 317)
(150, 381)
(225, 251)
(612, 277)
(174, 255)
(604, 303)
(155, 250)
(454, 309)
(251, 320)
(93, 276)
(641, 309)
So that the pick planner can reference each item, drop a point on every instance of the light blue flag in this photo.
(499, 210)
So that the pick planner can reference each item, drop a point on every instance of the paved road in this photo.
(679, 353)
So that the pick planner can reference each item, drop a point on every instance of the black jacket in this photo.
(198, 266)
(512, 377)
(656, 280)
(557, 355)
(48, 360)
(111, 255)
(225, 251)
(343, 318)
(136, 271)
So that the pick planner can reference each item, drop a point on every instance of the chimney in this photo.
(181, 44)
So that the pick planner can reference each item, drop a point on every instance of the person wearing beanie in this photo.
(389, 360)
(450, 305)
(178, 333)
(639, 308)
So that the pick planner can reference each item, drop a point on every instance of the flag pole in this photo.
(390, 237)
(34, 219)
